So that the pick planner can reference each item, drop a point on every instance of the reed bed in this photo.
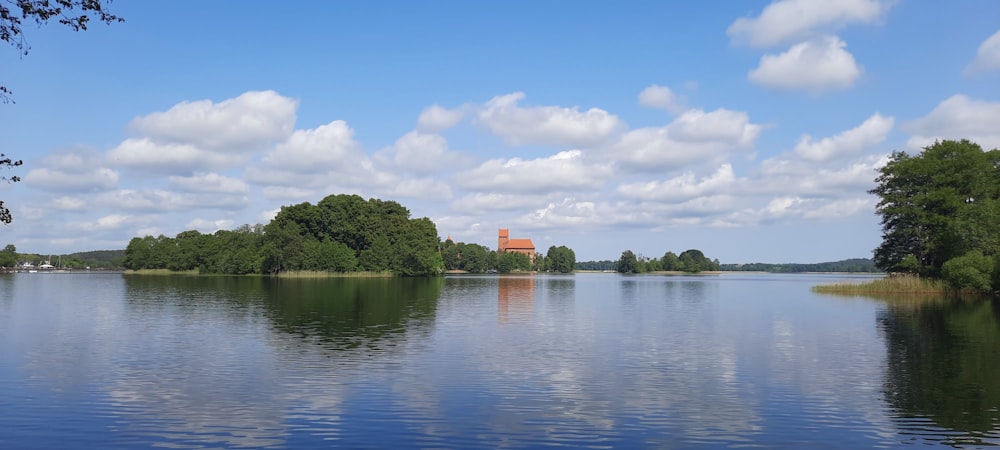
(893, 284)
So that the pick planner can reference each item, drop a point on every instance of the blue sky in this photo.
(750, 130)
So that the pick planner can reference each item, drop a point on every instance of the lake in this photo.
(589, 360)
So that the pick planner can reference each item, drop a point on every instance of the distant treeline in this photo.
(848, 265)
(98, 259)
(342, 233)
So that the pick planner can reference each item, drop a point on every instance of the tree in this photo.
(8, 163)
(561, 259)
(936, 206)
(628, 263)
(670, 261)
(8, 257)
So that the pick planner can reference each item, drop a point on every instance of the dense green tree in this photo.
(937, 205)
(475, 258)
(450, 254)
(511, 262)
(377, 257)
(8, 257)
(972, 270)
(562, 259)
(628, 263)
(670, 261)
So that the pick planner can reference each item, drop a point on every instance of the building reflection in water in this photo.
(515, 297)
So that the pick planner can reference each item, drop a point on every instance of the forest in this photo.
(854, 265)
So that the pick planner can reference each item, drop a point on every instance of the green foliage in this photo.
(343, 233)
(8, 257)
(938, 205)
(628, 263)
(510, 262)
(972, 271)
(561, 259)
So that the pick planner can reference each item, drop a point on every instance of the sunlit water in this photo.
(585, 360)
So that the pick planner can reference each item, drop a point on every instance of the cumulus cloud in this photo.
(987, 57)
(560, 172)
(72, 172)
(787, 21)
(685, 186)
(816, 65)
(806, 178)
(848, 143)
(483, 202)
(96, 179)
(316, 149)
(148, 155)
(436, 118)
(420, 153)
(661, 97)
(695, 136)
(546, 125)
(957, 117)
(159, 200)
(210, 183)
(244, 123)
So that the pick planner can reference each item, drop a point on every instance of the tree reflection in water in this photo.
(944, 365)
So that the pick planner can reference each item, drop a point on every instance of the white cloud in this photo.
(786, 21)
(661, 97)
(435, 118)
(560, 172)
(478, 203)
(210, 183)
(93, 179)
(546, 125)
(958, 117)
(685, 186)
(147, 155)
(316, 150)
(784, 175)
(79, 171)
(695, 136)
(209, 226)
(816, 65)
(420, 153)
(848, 143)
(244, 123)
(159, 200)
(69, 204)
(109, 222)
(423, 188)
(987, 57)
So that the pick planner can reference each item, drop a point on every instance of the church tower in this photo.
(502, 239)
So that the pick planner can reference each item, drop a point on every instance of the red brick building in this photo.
(506, 244)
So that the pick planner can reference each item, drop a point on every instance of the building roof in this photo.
(519, 244)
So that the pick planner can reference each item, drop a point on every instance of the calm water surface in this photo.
(586, 360)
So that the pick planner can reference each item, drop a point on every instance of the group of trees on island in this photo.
(475, 258)
(940, 214)
(341, 233)
(690, 261)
